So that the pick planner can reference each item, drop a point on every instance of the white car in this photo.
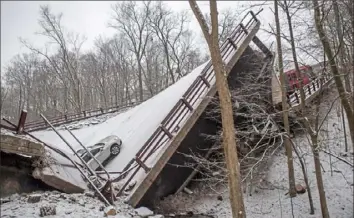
(104, 150)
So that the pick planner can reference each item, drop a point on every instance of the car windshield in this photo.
(87, 157)
(80, 152)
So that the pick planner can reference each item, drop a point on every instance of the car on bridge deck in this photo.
(104, 151)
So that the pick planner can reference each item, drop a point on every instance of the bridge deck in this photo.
(163, 143)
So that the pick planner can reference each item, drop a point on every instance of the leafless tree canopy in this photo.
(153, 48)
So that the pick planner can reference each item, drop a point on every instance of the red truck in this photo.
(292, 81)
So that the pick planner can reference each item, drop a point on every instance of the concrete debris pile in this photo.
(57, 204)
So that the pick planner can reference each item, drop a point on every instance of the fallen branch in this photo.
(339, 158)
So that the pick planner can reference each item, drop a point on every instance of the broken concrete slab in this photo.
(61, 174)
(19, 145)
(50, 167)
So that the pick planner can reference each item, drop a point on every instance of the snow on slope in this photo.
(134, 127)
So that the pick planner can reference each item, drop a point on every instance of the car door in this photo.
(93, 163)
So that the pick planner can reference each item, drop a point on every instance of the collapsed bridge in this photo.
(158, 131)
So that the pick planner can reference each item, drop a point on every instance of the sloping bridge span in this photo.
(151, 159)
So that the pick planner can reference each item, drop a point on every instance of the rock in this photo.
(47, 210)
(144, 212)
(187, 190)
(82, 202)
(157, 216)
(101, 208)
(55, 192)
(190, 213)
(110, 211)
(90, 194)
(4, 200)
(14, 196)
(34, 198)
(300, 189)
(72, 199)
(343, 154)
(24, 194)
(62, 196)
(219, 197)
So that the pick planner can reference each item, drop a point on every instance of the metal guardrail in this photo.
(310, 89)
(67, 118)
(185, 107)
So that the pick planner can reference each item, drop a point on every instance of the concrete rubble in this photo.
(57, 204)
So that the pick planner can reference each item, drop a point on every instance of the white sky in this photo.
(20, 19)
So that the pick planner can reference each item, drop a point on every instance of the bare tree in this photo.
(132, 20)
(64, 63)
(292, 190)
(344, 96)
(229, 140)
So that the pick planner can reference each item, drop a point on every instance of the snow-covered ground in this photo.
(269, 199)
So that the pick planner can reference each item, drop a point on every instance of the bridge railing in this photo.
(310, 89)
(185, 107)
(67, 118)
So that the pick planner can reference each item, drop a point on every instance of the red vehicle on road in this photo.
(292, 81)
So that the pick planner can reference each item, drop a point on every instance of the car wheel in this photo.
(115, 149)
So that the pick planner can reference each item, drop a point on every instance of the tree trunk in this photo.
(229, 140)
(293, 51)
(336, 76)
(341, 59)
(306, 180)
(321, 191)
(141, 93)
(289, 154)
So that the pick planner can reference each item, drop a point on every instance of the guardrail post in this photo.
(21, 122)
(243, 28)
(297, 98)
(314, 86)
(142, 164)
(189, 106)
(163, 128)
(309, 88)
(232, 43)
(204, 80)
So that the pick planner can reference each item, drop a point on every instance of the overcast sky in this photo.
(20, 19)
